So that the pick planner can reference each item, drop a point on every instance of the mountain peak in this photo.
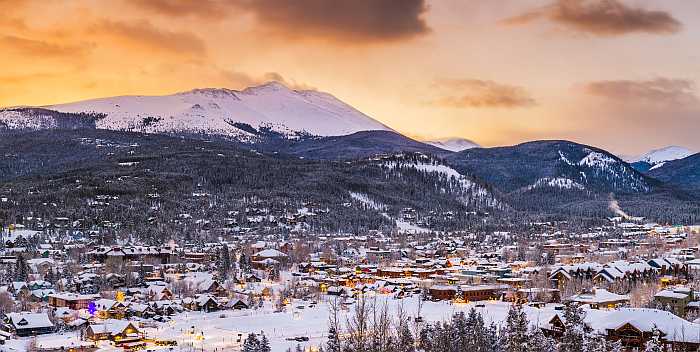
(664, 154)
(271, 86)
(455, 144)
(269, 107)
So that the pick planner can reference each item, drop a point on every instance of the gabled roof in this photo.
(26, 320)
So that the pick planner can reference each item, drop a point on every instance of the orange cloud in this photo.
(357, 21)
(602, 18)
(475, 93)
(675, 93)
(31, 47)
(143, 34)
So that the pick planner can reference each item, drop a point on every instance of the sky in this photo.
(617, 74)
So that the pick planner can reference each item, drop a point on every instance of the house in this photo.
(442, 292)
(140, 310)
(73, 301)
(158, 292)
(203, 302)
(270, 254)
(677, 298)
(599, 298)
(118, 331)
(29, 324)
(470, 293)
(109, 308)
(237, 304)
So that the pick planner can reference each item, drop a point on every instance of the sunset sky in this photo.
(618, 74)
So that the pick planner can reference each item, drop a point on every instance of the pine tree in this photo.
(224, 261)
(539, 342)
(21, 269)
(514, 334)
(595, 343)
(405, 342)
(654, 344)
(493, 343)
(333, 344)
(574, 330)
(264, 345)
(616, 346)
(251, 344)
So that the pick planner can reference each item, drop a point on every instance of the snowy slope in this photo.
(270, 106)
(660, 155)
(454, 144)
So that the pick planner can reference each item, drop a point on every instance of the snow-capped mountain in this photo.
(658, 157)
(271, 107)
(550, 164)
(454, 144)
(662, 154)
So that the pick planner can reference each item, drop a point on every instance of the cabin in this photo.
(118, 331)
(29, 324)
(71, 300)
(442, 292)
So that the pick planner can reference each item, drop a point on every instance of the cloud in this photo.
(669, 92)
(343, 20)
(475, 93)
(144, 34)
(242, 80)
(207, 9)
(32, 47)
(602, 18)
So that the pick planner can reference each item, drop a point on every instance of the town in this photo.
(634, 281)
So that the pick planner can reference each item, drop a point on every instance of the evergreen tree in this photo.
(251, 344)
(654, 344)
(264, 345)
(595, 343)
(514, 334)
(21, 269)
(333, 344)
(404, 341)
(493, 343)
(574, 330)
(224, 261)
(616, 346)
(539, 342)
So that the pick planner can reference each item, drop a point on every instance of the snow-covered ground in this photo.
(219, 331)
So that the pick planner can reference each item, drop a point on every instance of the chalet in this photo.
(205, 302)
(676, 298)
(237, 304)
(470, 293)
(600, 298)
(71, 300)
(118, 331)
(668, 266)
(158, 292)
(140, 310)
(270, 254)
(109, 308)
(442, 292)
(29, 324)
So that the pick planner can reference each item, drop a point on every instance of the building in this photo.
(599, 298)
(29, 324)
(71, 300)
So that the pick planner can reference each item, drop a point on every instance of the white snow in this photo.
(453, 144)
(557, 182)
(595, 159)
(466, 184)
(364, 199)
(660, 155)
(271, 105)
